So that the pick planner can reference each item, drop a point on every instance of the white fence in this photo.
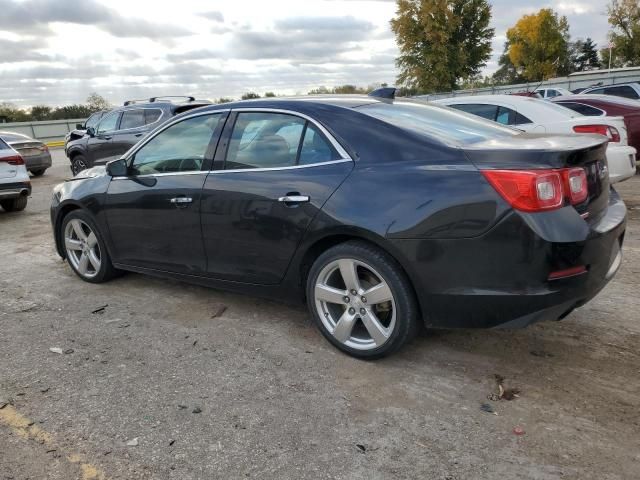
(46, 131)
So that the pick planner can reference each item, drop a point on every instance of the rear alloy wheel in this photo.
(85, 249)
(15, 204)
(361, 300)
(78, 164)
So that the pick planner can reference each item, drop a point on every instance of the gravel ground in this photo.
(276, 401)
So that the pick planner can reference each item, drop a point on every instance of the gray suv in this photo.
(121, 128)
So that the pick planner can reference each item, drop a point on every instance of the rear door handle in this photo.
(181, 201)
(294, 199)
(138, 134)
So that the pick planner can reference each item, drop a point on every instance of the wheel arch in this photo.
(62, 212)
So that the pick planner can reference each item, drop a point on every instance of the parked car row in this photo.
(539, 116)
(15, 186)
(382, 214)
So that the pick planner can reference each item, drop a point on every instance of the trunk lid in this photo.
(534, 152)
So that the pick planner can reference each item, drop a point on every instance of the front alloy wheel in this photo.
(84, 248)
(361, 300)
(83, 251)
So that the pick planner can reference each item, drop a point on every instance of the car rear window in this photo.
(12, 137)
(444, 123)
(3, 145)
(583, 109)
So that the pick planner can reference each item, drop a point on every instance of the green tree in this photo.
(40, 112)
(224, 100)
(441, 42)
(13, 113)
(250, 96)
(624, 18)
(269, 95)
(96, 102)
(584, 55)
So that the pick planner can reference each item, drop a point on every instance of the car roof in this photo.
(4, 134)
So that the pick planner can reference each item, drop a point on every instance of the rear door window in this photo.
(490, 112)
(152, 115)
(132, 119)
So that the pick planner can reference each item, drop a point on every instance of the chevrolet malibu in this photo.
(383, 214)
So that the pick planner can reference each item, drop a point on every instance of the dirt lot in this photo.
(277, 401)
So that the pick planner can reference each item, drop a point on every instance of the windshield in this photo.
(443, 123)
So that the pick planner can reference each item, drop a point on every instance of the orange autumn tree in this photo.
(539, 45)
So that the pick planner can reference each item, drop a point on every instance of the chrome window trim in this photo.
(345, 157)
(236, 170)
(339, 148)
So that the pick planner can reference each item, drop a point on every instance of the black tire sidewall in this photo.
(15, 204)
(79, 158)
(106, 271)
(392, 273)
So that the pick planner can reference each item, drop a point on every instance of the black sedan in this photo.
(383, 214)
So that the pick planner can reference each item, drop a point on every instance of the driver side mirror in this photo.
(91, 131)
(79, 126)
(117, 168)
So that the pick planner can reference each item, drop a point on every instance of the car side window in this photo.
(151, 115)
(316, 148)
(622, 91)
(485, 111)
(108, 123)
(597, 91)
(264, 140)
(132, 119)
(93, 120)
(505, 116)
(180, 148)
(582, 109)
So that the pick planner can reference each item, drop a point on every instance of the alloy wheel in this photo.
(83, 250)
(355, 304)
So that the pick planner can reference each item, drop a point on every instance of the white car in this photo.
(552, 92)
(539, 116)
(15, 186)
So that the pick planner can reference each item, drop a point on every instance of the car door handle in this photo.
(181, 201)
(138, 134)
(106, 137)
(294, 199)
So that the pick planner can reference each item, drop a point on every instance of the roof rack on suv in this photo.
(157, 99)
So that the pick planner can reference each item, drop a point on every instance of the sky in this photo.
(56, 52)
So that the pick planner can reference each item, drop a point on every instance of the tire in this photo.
(15, 204)
(78, 164)
(354, 323)
(86, 254)
(39, 172)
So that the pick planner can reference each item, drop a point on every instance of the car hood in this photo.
(93, 172)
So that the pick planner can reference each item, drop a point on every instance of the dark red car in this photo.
(610, 106)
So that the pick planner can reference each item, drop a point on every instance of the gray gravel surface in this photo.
(277, 401)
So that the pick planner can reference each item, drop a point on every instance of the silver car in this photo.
(35, 153)
(15, 186)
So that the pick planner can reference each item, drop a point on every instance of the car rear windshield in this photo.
(12, 137)
(3, 146)
(446, 124)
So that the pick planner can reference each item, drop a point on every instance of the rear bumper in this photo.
(622, 163)
(36, 162)
(500, 279)
(14, 190)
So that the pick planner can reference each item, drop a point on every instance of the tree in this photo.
(584, 55)
(539, 45)
(96, 102)
(224, 100)
(269, 95)
(507, 73)
(40, 112)
(249, 96)
(624, 18)
(441, 42)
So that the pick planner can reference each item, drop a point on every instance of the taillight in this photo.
(539, 190)
(575, 182)
(43, 148)
(13, 160)
(610, 132)
(528, 190)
